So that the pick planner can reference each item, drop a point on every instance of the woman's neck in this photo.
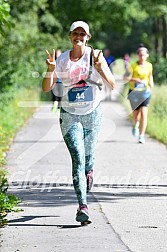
(141, 62)
(76, 53)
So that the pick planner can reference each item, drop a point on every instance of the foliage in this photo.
(5, 19)
(8, 202)
(160, 70)
(41, 24)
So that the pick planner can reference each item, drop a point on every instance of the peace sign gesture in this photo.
(97, 60)
(51, 60)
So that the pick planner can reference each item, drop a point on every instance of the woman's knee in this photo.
(144, 111)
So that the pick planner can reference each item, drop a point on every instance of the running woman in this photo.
(82, 71)
(140, 85)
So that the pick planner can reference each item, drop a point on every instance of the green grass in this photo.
(157, 117)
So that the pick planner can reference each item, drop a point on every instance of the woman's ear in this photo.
(89, 37)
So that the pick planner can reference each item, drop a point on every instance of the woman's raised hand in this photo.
(51, 60)
(97, 60)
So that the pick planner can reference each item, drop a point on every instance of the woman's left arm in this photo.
(151, 81)
(101, 66)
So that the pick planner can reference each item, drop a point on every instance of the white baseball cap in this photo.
(82, 24)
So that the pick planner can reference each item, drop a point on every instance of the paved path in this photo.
(127, 204)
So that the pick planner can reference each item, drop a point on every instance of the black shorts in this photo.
(139, 99)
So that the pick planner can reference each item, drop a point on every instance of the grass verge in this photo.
(157, 116)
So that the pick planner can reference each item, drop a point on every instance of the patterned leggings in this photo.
(80, 133)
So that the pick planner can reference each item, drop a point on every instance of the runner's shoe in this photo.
(135, 131)
(89, 179)
(82, 215)
(141, 139)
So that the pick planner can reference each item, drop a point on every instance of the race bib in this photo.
(140, 85)
(80, 95)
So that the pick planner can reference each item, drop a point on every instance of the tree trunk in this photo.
(164, 24)
(156, 43)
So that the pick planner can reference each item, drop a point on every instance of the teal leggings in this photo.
(80, 133)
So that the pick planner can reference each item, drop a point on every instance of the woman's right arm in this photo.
(50, 77)
(129, 75)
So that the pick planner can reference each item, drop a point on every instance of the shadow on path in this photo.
(46, 195)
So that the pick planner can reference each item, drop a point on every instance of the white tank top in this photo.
(83, 97)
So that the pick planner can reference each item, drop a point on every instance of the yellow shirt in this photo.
(141, 72)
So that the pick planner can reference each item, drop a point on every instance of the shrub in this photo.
(160, 70)
(8, 202)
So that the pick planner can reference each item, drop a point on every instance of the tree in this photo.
(5, 18)
(158, 15)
